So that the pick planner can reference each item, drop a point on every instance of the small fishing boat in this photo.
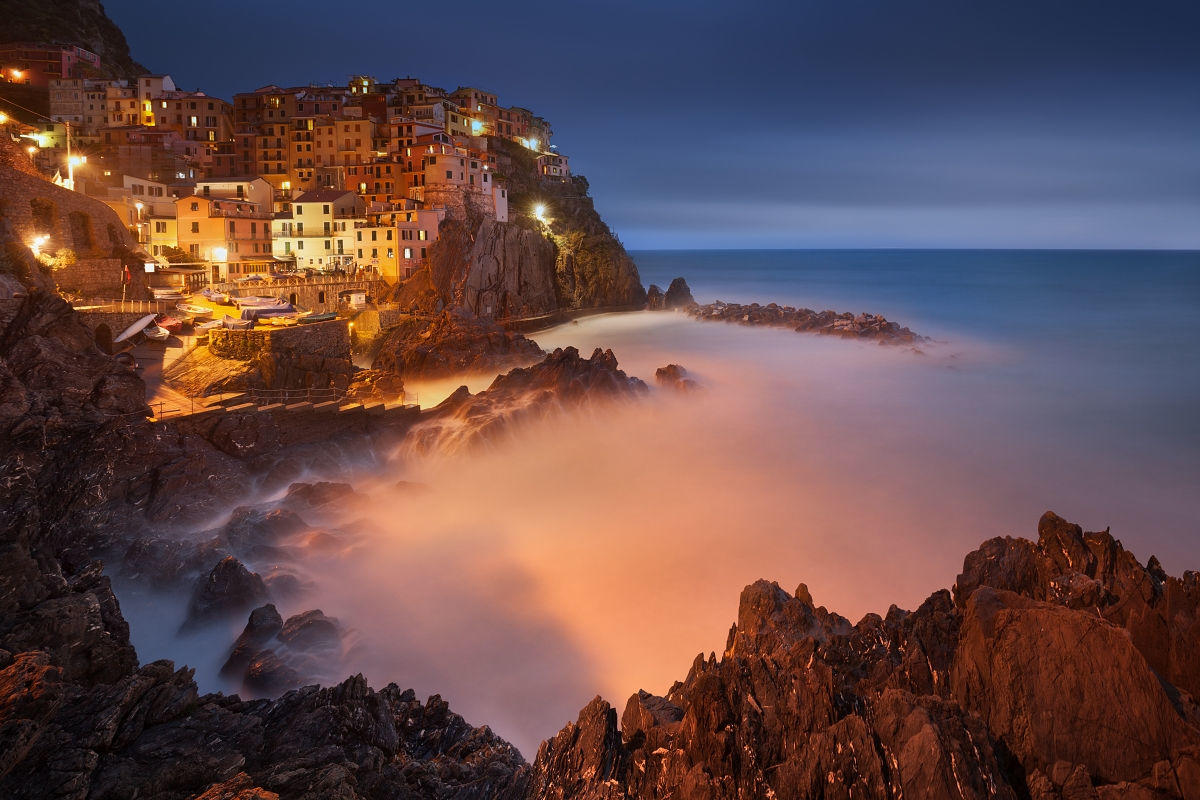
(257, 301)
(156, 334)
(193, 310)
(172, 324)
(135, 328)
(212, 295)
(209, 325)
(326, 317)
(283, 321)
(167, 294)
(229, 323)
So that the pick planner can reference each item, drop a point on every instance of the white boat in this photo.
(208, 326)
(167, 294)
(135, 328)
(193, 310)
(156, 334)
(220, 298)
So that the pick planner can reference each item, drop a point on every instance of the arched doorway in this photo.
(292, 298)
(103, 337)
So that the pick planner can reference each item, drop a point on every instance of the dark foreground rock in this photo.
(562, 380)
(803, 320)
(1061, 668)
(454, 342)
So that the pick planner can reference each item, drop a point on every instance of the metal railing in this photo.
(138, 306)
(167, 409)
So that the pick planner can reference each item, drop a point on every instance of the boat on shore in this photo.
(326, 317)
(231, 324)
(257, 301)
(193, 310)
(172, 324)
(156, 334)
(212, 295)
(209, 325)
(135, 328)
(167, 294)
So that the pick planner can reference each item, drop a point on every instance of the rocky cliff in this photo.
(526, 267)
(83, 23)
(1060, 668)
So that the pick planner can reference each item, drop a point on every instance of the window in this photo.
(325, 209)
(327, 245)
(300, 245)
(299, 210)
(160, 226)
(422, 235)
(449, 174)
(408, 252)
(232, 228)
(195, 206)
(389, 234)
(195, 227)
(391, 253)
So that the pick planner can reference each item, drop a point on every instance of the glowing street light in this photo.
(32, 150)
(3, 118)
(72, 163)
(38, 241)
(16, 73)
(534, 144)
(539, 211)
(220, 253)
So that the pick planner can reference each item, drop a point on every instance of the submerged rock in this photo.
(674, 377)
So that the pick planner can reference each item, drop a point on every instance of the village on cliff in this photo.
(299, 179)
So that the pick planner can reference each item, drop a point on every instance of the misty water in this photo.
(600, 552)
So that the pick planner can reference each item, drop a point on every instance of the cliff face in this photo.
(1060, 668)
(526, 267)
(83, 23)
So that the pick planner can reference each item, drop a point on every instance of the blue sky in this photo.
(841, 123)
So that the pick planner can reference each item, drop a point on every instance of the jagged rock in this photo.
(674, 377)
(228, 589)
(987, 693)
(249, 528)
(310, 629)
(562, 380)
(164, 563)
(678, 295)
(804, 320)
(262, 626)
(654, 298)
(322, 493)
(455, 342)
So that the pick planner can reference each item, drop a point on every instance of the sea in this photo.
(602, 549)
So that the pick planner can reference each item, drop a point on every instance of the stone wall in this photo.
(31, 206)
(106, 325)
(314, 295)
(326, 339)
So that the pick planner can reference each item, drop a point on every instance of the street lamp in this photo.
(38, 241)
(72, 163)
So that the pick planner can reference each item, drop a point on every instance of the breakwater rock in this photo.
(804, 320)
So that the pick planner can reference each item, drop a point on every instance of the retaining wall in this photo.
(326, 339)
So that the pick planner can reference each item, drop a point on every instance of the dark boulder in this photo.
(227, 590)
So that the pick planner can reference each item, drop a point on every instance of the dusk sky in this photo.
(855, 123)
